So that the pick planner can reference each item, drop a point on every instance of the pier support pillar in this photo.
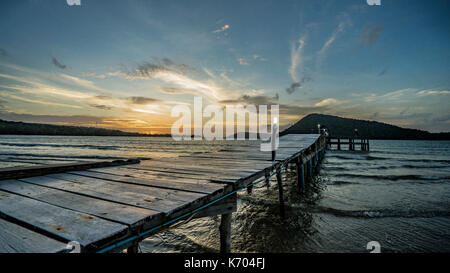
(267, 176)
(225, 233)
(300, 175)
(280, 194)
(310, 171)
(133, 248)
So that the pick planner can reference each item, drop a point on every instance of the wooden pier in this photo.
(112, 206)
(351, 143)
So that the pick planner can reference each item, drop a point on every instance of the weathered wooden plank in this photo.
(108, 210)
(68, 225)
(141, 177)
(160, 200)
(177, 175)
(17, 239)
(184, 164)
(20, 172)
(216, 175)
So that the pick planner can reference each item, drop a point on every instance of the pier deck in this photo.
(110, 206)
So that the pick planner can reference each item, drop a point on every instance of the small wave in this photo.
(407, 166)
(383, 213)
(358, 157)
(61, 146)
(341, 183)
(427, 160)
(392, 177)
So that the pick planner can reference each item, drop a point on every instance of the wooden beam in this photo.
(225, 206)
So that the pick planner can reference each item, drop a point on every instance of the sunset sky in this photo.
(125, 64)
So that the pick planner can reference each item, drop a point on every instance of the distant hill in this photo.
(344, 127)
(22, 128)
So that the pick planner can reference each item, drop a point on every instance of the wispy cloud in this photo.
(254, 100)
(177, 79)
(4, 94)
(259, 58)
(58, 64)
(296, 85)
(223, 28)
(329, 42)
(296, 58)
(382, 72)
(370, 34)
(433, 92)
(242, 61)
(291, 89)
(326, 102)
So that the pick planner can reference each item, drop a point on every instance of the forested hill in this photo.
(344, 127)
(22, 128)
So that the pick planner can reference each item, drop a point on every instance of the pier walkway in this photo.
(112, 206)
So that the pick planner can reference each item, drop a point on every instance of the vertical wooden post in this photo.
(310, 173)
(368, 145)
(266, 175)
(225, 233)
(339, 144)
(300, 175)
(133, 249)
(250, 189)
(280, 193)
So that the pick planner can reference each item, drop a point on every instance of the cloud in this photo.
(296, 85)
(259, 57)
(124, 103)
(225, 27)
(329, 42)
(177, 78)
(296, 58)
(143, 100)
(326, 102)
(291, 89)
(370, 34)
(3, 52)
(254, 100)
(382, 72)
(242, 61)
(169, 63)
(57, 63)
(14, 97)
(433, 92)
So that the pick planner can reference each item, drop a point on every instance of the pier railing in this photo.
(350, 142)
